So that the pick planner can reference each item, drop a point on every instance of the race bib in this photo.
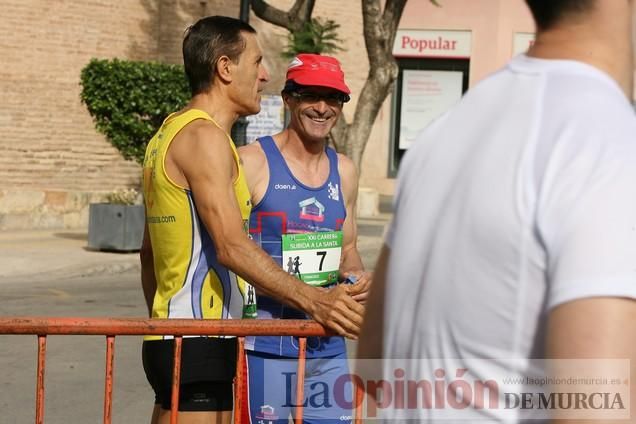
(313, 257)
(250, 310)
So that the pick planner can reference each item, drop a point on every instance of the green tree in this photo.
(316, 36)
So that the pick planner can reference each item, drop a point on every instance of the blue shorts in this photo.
(271, 394)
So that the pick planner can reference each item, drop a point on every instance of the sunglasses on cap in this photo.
(312, 97)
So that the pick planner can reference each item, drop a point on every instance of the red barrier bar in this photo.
(300, 380)
(39, 393)
(176, 379)
(359, 398)
(108, 384)
(141, 327)
(239, 381)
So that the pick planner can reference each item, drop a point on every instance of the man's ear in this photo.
(224, 68)
(286, 98)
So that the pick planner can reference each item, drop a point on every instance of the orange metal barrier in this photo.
(112, 327)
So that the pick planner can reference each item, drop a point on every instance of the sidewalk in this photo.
(47, 254)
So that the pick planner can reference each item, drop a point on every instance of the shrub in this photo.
(129, 100)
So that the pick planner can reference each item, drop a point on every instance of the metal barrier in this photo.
(112, 327)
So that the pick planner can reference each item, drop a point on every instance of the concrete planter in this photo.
(115, 227)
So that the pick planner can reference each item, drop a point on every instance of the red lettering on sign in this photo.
(431, 44)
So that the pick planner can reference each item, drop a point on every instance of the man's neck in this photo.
(215, 104)
(306, 151)
(306, 160)
(595, 41)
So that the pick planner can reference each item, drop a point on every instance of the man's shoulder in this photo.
(252, 149)
(346, 167)
(583, 99)
(200, 143)
(560, 82)
(202, 129)
(583, 87)
(589, 107)
(252, 155)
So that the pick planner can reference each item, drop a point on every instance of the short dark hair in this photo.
(547, 13)
(205, 42)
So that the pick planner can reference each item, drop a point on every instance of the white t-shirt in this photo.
(520, 198)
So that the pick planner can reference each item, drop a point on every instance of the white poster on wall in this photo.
(521, 42)
(270, 120)
(425, 96)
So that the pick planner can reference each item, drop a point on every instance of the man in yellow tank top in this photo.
(195, 244)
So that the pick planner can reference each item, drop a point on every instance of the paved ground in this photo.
(49, 254)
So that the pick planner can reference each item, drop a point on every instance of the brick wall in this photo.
(48, 137)
(49, 144)
(177, 15)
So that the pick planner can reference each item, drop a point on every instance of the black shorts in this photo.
(208, 365)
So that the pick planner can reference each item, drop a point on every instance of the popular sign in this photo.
(420, 43)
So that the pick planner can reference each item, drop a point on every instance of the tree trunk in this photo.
(294, 20)
(379, 34)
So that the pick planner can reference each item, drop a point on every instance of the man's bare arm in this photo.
(594, 328)
(207, 164)
(148, 279)
(350, 261)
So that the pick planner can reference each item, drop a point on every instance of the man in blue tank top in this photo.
(304, 196)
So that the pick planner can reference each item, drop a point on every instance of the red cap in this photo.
(318, 70)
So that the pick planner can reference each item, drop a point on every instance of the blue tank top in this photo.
(283, 210)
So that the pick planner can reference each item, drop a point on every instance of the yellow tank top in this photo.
(191, 283)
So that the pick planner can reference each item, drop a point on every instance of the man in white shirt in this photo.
(514, 233)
